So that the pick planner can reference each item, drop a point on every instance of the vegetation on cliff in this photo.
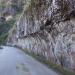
(9, 12)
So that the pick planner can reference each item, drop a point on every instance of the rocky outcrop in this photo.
(47, 27)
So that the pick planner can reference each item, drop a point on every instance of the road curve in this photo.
(15, 62)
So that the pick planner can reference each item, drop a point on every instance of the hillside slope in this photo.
(9, 12)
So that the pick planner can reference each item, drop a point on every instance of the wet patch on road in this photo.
(22, 69)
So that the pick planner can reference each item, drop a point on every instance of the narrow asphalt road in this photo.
(15, 62)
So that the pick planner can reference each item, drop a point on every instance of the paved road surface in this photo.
(15, 62)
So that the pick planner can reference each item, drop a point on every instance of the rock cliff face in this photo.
(47, 28)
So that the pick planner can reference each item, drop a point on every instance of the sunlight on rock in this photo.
(9, 17)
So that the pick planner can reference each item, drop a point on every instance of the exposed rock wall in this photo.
(47, 27)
